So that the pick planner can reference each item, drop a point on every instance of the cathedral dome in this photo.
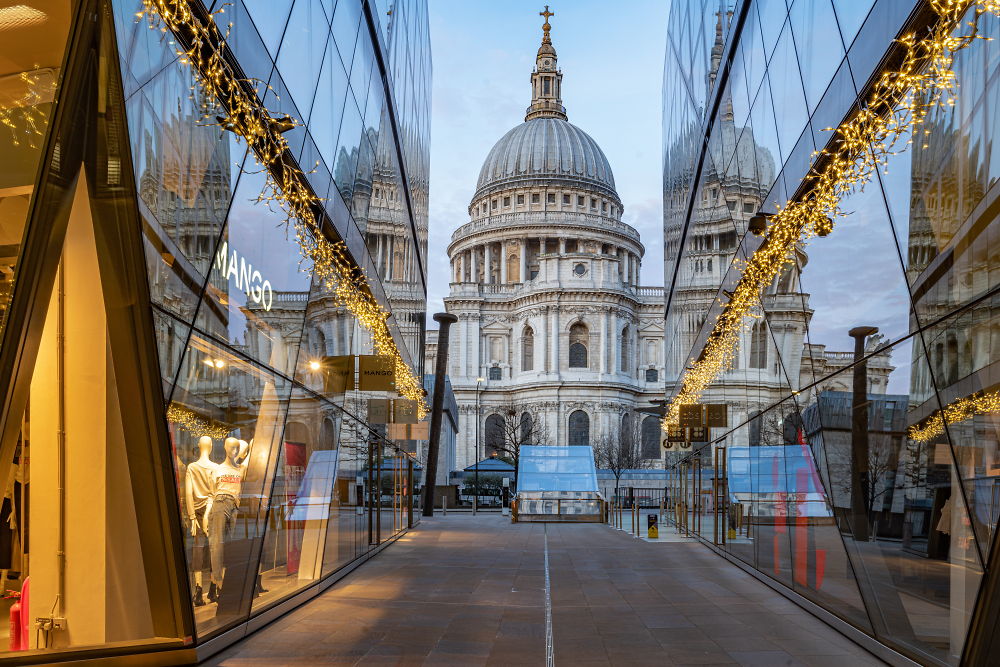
(546, 149)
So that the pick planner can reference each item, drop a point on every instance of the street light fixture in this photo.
(475, 498)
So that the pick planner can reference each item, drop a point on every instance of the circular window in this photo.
(546, 62)
(579, 269)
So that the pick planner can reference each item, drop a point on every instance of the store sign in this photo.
(378, 410)
(404, 411)
(691, 415)
(676, 433)
(377, 373)
(716, 414)
(248, 280)
(338, 374)
(417, 431)
(698, 434)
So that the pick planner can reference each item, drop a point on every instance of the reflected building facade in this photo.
(180, 471)
(861, 500)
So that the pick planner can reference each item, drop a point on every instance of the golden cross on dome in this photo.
(546, 27)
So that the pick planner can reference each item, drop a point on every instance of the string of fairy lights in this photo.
(194, 424)
(218, 87)
(885, 125)
(953, 413)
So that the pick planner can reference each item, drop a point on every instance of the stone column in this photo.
(524, 261)
(562, 245)
(487, 260)
(615, 324)
(463, 346)
(604, 343)
(475, 337)
(473, 262)
(461, 267)
(503, 262)
(541, 245)
(555, 340)
(545, 339)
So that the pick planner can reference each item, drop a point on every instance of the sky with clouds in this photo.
(611, 57)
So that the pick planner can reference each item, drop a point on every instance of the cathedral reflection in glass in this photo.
(828, 480)
(193, 473)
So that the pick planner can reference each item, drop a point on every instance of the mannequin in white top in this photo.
(220, 516)
(199, 487)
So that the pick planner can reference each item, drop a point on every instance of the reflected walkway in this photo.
(470, 590)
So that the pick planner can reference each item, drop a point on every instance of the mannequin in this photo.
(219, 522)
(199, 487)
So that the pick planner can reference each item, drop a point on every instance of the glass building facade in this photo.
(178, 468)
(830, 480)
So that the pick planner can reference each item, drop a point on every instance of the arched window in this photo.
(758, 346)
(625, 356)
(496, 373)
(578, 340)
(579, 428)
(526, 435)
(528, 350)
(652, 375)
(494, 436)
(650, 438)
(626, 434)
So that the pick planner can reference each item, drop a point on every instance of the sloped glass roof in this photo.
(546, 468)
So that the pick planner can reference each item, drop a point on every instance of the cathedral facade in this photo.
(545, 283)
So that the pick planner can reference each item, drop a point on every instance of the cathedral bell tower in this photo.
(546, 79)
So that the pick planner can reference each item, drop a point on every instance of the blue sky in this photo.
(612, 61)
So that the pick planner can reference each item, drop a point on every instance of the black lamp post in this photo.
(475, 499)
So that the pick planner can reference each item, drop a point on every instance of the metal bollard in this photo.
(444, 505)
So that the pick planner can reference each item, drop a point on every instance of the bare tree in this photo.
(620, 448)
(883, 459)
(510, 426)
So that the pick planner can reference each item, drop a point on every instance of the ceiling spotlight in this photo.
(208, 362)
(314, 365)
(219, 363)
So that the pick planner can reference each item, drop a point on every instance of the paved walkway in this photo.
(464, 590)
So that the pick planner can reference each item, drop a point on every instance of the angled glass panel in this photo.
(302, 503)
(818, 45)
(144, 51)
(87, 368)
(851, 14)
(848, 284)
(257, 291)
(301, 54)
(324, 122)
(171, 341)
(345, 25)
(790, 112)
(755, 62)
(772, 15)
(30, 61)
(348, 149)
(270, 18)
(346, 528)
(962, 354)
(901, 510)
(226, 421)
(246, 44)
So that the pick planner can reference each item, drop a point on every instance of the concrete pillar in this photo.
(503, 262)
(524, 261)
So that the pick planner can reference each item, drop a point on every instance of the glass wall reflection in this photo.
(859, 462)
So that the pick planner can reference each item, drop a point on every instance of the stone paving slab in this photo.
(470, 591)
